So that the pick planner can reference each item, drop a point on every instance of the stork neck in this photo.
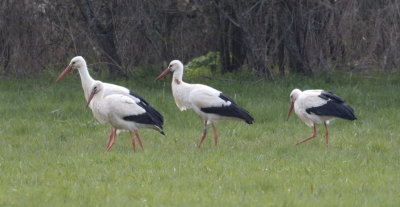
(98, 97)
(86, 80)
(177, 77)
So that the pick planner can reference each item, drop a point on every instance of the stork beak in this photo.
(163, 74)
(66, 70)
(90, 97)
(290, 110)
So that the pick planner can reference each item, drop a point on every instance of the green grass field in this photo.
(52, 150)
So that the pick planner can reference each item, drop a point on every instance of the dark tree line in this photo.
(267, 36)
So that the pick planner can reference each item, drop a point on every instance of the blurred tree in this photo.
(266, 36)
(100, 23)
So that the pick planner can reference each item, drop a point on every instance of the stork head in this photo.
(293, 97)
(173, 66)
(96, 88)
(76, 63)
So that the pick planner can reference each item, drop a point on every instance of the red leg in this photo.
(326, 134)
(133, 141)
(113, 139)
(215, 134)
(138, 138)
(109, 137)
(203, 136)
(308, 138)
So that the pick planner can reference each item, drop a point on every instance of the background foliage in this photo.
(265, 36)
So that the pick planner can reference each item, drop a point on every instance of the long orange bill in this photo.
(90, 97)
(163, 74)
(290, 110)
(66, 70)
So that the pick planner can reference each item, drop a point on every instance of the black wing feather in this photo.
(139, 97)
(152, 116)
(232, 110)
(334, 106)
(226, 98)
(326, 95)
(140, 118)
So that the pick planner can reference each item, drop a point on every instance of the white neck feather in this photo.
(86, 80)
(177, 76)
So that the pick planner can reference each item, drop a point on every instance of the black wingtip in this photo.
(162, 132)
(247, 117)
(250, 121)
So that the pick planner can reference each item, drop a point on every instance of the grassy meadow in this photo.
(52, 150)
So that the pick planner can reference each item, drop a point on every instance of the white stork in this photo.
(317, 107)
(87, 81)
(212, 105)
(123, 112)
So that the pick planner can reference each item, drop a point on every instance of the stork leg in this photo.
(308, 138)
(215, 134)
(138, 138)
(203, 136)
(133, 141)
(109, 137)
(112, 142)
(326, 134)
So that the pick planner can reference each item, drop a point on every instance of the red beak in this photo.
(163, 74)
(90, 97)
(66, 70)
(290, 110)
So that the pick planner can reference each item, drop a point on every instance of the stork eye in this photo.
(73, 62)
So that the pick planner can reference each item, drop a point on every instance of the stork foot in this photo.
(308, 138)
